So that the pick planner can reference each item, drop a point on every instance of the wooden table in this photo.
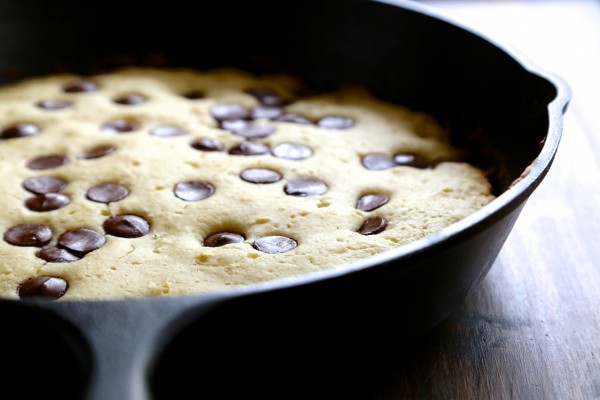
(532, 329)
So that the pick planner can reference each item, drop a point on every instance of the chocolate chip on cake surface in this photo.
(19, 130)
(292, 151)
(56, 255)
(411, 160)
(228, 111)
(47, 287)
(81, 86)
(305, 187)
(206, 144)
(97, 152)
(107, 193)
(47, 202)
(266, 96)
(370, 202)
(44, 184)
(253, 131)
(126, 226)
(294, 119)
(378, 161)
(81, 241)
(47, 162)
(130, 99)
(167, 131)
(266, 112)
(373, 226)
(119, 126)
(193, 190)
(36, 235)
(53, 104)
(249, 148)
(335, 122)
(223, 238)
(274, 244)
(194, 95)
(260, 175)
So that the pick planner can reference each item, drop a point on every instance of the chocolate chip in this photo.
(292, 151)
(81, 86)
(44, 184)
(193, 190)
(377, 161)
(248, 148)
(373, 226)
(294, 119)
(47, 287)
(107, 193)
(126, 226)
(19, 130)
(228, 111)
(370, 202)
(234, 124)
(266, 96)
(97, 152)
(335, 122)
(252, 131)
(119, 126)
(260, 175)
(193, 95)
(47, 162)
(167, 131)
(205, 144)
(274, 244)
(305, 187)
(130, 99)
(47, 202)
(266, 112)
(28, 235)
(411, 160)
(53, 104)
(222, 239)
(81, 241)
(56, 255)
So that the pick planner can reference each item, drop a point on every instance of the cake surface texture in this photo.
(150, 182)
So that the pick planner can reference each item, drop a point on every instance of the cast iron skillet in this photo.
(324, 330)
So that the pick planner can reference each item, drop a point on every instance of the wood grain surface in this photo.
(532, 329)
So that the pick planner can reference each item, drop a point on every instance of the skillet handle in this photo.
(125, 336)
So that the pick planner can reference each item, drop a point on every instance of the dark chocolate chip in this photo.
(335, 122)
(373, 226)
(294, 119)
(97, 152)
(119, 126)
(260, 175)
(228, 111)
(126, 226)
(248, 148)
(193, 95)
(36, 235)
(266, 96)
(253, 131)
(223, 238)
(19, 130)
(274, 244)
(44, 184)
(292, 151)
(411, 160)
(107, 193)
(47, 287)
(130, 99)
(56, 255)
(81, 241)
(378, 161)
(205, 144)
(53, 104)
(266, 112)
(47, 202)
(193, 190)
(80, 87)
(47, 162)
(305, 187)
(234, 124)
(370, 202)
(167, 131)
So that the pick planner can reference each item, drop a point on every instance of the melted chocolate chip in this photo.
(19, 130)
(205, 144)
(119, 126)
(377, 161)
(260, 175)
(266, 96)
(193, 190)
(81, 86)
(47, 202)
(249, 149)
(56, 255)
(97, 152)
(126, 226)
(274, 244)
(370, 202)
(335, 122)
(373, 226)
(228, 111)
(294, 119)
(107, 193)
(53, 104)
(36, 235)
(167, 131)
(81, 241)
(252, 131)
(47, 162)
(292, 151)
(193, 95)
(411, 160)
(44, 184)
(305, 187)
(47, 287)
(130, 99)
(266, 112)
(223, 238)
